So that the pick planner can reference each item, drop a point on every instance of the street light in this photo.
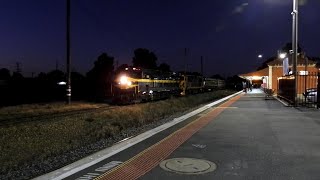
(282, 55)
(260, 56)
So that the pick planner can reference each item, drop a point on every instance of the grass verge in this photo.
(36, 142)
(21, 111)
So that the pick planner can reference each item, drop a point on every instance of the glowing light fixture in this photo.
(282, 55)
(62, 83)
(256, 78)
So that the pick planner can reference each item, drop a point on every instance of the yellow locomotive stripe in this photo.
(153, 80)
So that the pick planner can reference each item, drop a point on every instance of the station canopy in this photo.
(256, 75)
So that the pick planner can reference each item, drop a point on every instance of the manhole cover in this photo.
(188, 165)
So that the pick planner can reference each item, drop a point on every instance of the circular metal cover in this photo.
(188, 165)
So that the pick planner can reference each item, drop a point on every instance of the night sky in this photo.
(229, 34)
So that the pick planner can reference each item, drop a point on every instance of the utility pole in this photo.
(18, 69)
(57, 64)
(185, 72)
(201, 59)
(68, 87)
(295, 47)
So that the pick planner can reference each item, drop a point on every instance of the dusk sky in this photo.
(229, 34)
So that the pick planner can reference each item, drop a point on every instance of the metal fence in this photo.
(308, 87)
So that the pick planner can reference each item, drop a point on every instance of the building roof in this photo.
(262, 72)
(301, 61)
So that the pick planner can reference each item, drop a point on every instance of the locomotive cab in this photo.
(135, 84)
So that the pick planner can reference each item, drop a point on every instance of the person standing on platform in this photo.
(244, 84)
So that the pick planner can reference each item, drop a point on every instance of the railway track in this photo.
(51, 116)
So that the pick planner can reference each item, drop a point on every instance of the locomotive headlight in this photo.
(123, 80)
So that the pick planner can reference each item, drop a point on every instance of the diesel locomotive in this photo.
(133, 84)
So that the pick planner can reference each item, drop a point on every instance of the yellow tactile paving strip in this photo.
(143, 162)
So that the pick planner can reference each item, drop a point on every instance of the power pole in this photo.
(295, 47)
(68, 87)
(201, 59)
(185, 72)
(57, 64)
(18, 69)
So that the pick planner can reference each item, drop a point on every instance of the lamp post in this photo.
(295, 46)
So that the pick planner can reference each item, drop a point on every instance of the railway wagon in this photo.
(191, 84)
(211, 84)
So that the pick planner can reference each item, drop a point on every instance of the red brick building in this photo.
(269, 76)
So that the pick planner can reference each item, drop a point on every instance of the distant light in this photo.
(127, 69)
(303, 73)
(260, 56)
(62, 83)
(282, 55)
(256, 78)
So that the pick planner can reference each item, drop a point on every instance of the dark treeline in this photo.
(95, 85)
(16, 89)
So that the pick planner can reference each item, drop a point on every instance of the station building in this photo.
(281, 69)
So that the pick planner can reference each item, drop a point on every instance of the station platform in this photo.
(244, 138)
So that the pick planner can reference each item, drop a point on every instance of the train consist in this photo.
(133, 84)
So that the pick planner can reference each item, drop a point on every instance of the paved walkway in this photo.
(247, 138)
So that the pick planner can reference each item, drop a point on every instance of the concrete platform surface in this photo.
(257, 139)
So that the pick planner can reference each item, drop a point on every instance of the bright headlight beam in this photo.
(123, 80)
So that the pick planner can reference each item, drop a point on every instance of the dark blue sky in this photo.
(228, 33)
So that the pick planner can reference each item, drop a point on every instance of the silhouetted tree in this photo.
(56, 76)
(121, 68)
(4, 87)
(78, 82)
(4, 74)
(143, 58)
(75, 76)
(100, 77)
(16, 76)
(164, 67)
(42, 76)
(288, 47)
(217, 76)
